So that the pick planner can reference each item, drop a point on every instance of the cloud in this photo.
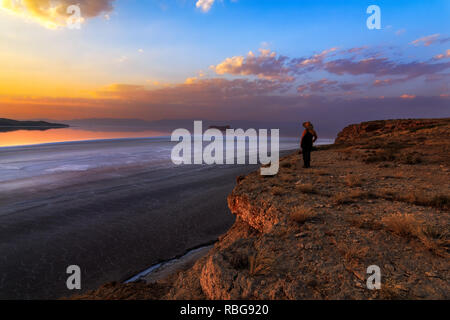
(383, 67)
(204, 5)
(303, 65)
(327, 86)
(442, 55)
(193, 90)
(429, 40)
(407, 96)
(266, 65)
(53, 14)
(317, 86)
(357, 61)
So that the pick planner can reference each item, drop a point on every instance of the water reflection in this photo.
(30, 136)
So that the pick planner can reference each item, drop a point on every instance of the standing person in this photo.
(308, 138)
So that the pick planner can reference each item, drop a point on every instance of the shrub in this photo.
(301, 214)
(353, 181)
(403, 224)
(259, 265)
(306, 188)
(278, 191)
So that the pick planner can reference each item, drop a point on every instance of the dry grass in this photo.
(353, 181)
(353, 255)
(287, 178)
(391, 290)
(302, 214)
(435, 239)
(306, 188)
(440, 201)
(350, 197)
(403, 224)
(259, 265)
(278, 191)
(365, 223)
(320, 172)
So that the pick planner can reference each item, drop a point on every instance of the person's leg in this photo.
(304, 157)
(308, 158)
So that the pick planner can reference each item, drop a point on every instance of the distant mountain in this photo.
(11, 125)
(168, 125)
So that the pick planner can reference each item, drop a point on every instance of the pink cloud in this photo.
(407, 96)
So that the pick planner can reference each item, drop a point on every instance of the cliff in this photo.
(379, 196)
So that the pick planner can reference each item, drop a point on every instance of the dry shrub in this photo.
(440, 201)
(320, 172)
(260, 265)
(277, 191)
(411, 159)
(392, 291)
(302, 214)
(306, 188)
(353, 181)
(403, 224)
(351, 253)
(365, 223)
(287, 178)
(350, 197)
(387, 193)
(435, 239)
(388, 154)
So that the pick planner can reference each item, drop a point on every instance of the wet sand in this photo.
(112, 224)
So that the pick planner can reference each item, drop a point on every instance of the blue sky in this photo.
(170, 59)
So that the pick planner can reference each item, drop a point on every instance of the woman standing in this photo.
(308, 138)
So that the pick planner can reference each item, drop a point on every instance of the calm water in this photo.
(31, 137)
(28, 154)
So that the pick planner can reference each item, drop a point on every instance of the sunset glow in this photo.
(168, 64)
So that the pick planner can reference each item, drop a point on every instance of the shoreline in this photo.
(169, 267)
(113, 225)
(346, 213)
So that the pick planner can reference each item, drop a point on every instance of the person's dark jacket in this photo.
(308, 138)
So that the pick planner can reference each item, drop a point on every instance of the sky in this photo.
(259, 60)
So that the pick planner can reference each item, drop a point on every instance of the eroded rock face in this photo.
(262, 215)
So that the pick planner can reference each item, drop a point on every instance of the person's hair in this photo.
(308, 125)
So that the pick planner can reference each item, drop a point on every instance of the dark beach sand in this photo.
(111, 225)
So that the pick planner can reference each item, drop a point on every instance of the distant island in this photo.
(221, 128)
(11, 125)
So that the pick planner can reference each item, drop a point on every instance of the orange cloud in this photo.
(442, 56)
(407, 96)
(266, 65)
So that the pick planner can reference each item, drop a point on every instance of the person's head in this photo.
(308, 125)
